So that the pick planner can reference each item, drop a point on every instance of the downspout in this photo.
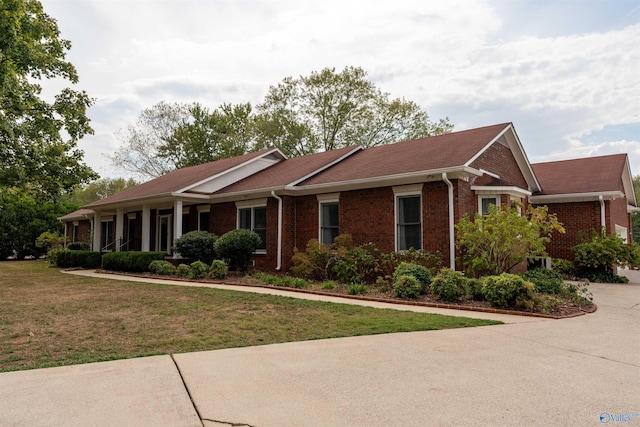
(603, 222)
(452, 248)
(279, 250)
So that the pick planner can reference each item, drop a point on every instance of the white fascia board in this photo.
(230, 170)
(575, 197)
(388, 180)
(486, 147)
(511, 190)
(325, 167)
(627, 182)
(632, 209)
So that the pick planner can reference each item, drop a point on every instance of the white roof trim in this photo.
(632, 209)
(627, 182)
(575, 197)
(511, 190)
(227, 171)
(486, 147)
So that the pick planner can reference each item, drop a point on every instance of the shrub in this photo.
(49, 240)
(130, 261)
(199, 270)
(329, 284)
(218, 270)
(78, 246)
(544, 280)
(183, 270)
(197, 246)
(419, 272)
(355, 265)
(596, 257)
(407, 287)
(564, 268)
(449, 285)
(237, 247)
(388, 262)
(475, 289)
(357, 289)
(508, 290)
(316, 262)
(67, 259)
(162, 267)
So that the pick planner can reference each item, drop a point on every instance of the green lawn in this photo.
(50, 319)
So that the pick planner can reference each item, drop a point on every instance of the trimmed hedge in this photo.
(67, 258)
(134, 262)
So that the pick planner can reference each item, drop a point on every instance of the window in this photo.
(408, 222)
(255, 219)
(485, 201)
(329, 228)
(203, 218)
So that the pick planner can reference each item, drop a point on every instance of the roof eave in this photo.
(575, 197)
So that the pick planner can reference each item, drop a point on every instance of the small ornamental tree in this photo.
(493, 244)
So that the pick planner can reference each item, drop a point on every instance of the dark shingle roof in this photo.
(587, 175)
(436, 152)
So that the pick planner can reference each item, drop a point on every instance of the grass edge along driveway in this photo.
(52, 319)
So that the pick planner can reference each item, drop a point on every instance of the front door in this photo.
(164, 233)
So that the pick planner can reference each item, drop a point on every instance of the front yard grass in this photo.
(51, 319)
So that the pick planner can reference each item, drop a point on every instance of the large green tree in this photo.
(176, 135)
(98, 189)
(207, 136)
(38, 137)
(328, 110)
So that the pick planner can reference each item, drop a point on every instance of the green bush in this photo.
(197, 246)
(237, 247)
(183, 270)
(218, 270)
(329, 284)
(315, 262)
(130, 261)
(475, 289)
(199, 270)
(407, 287)
(508, 290)
(161, 267)
(67, 259)
(357, 289)
(418, 271)
(564, 268)
(355, 265)
(596, 257)
(78, 246)
(388, 262)
(449, 285)
(544, 280)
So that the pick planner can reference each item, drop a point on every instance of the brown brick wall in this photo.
(617, 214)
(577, 218)
(368, 216)
(499, 159)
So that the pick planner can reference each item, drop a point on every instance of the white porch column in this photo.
(146, 228)
(65, 235)
(177, 224)
(97, 230)
(119, 228)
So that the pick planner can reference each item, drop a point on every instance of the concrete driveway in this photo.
(581, 371)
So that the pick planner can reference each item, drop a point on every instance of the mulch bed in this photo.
(566, 309)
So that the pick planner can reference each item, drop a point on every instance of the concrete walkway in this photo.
(567, 372)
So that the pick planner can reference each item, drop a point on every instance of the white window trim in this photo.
(250, 204)
(481, 197)
(406, 191)
(324, 199)
(201, 209)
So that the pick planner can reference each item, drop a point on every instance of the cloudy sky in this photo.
(565, 72)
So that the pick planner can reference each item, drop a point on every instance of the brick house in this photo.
(408, 194)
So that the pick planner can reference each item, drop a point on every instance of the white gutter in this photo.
(603, 222)
(452, 248)
(279, 250)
